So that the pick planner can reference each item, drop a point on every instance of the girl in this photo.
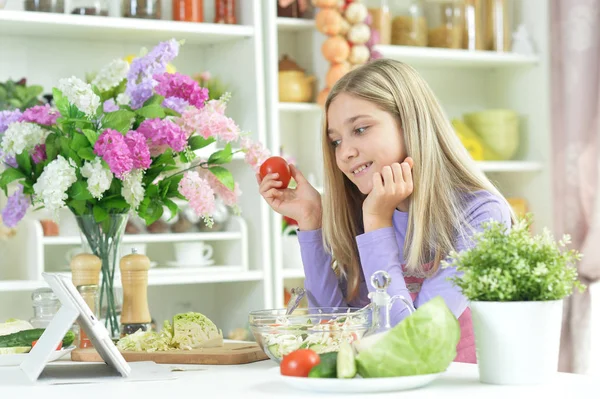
(401, 192)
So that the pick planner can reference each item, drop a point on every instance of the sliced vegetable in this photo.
(346, 363)
(26, 337)
(327, 368)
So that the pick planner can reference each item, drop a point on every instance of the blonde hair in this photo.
(443, 172)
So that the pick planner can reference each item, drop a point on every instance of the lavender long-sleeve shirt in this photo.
(382, 249)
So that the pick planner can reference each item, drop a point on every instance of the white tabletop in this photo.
(260, 380)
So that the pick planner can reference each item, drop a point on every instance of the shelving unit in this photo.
(44, 47)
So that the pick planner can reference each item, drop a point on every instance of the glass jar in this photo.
(45, 305)
(146, 9)
(225, 12)
(57, 6)
(89, 293)
(89, 7)
(445, 20)
(474, 34)
(381, 18)
(188, 10)
(498, 24)
(409, 25)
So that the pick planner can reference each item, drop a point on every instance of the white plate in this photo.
(358, 384)
(18, 358)
(193, 264)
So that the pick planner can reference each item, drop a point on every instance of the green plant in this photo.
(515, 265)
(16, 95)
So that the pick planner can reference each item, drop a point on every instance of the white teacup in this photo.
(193, 253)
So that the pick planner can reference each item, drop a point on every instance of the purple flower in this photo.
(41, 114)
(16, 207)
(175, 103)
(110, 106)
(113, 149)
(181, 86)
(9, 160)
(7, 117)
(39, 153)
(162, 134)
(140, 153)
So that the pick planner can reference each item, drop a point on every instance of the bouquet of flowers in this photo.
(127, 142)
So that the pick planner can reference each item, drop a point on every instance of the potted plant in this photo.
(516, 283)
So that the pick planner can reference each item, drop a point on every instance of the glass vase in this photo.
(103, 240)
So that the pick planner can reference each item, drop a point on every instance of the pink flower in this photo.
(256, 154)
(181, 86)
(39, 153)
(140, 153)
(41, 114)
(199, 193)
(230, 198)
(210, 121)
(113, 149)
(161, 134)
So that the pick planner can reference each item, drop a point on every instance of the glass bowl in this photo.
(319, 329)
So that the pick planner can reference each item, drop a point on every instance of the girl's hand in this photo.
(302, 203)
(390, 188)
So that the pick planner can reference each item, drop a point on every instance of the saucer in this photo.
(174, 263)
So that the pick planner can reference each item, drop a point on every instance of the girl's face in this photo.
(365, 139)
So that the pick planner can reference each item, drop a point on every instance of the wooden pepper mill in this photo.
(134, 278)
(85, 274)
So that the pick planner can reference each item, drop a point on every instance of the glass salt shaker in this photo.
(381, 302)
(45, 306)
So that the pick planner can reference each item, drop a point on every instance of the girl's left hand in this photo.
(390, 187)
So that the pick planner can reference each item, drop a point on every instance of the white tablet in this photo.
(73, 308)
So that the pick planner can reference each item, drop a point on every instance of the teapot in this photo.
(294, 84)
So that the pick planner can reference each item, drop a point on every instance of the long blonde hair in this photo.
(443, 172)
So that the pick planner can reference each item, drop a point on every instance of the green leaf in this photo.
(172, 206)
(120, 120)
(224, 176)
(171, 112)
(91, 135)
(197, 142)
(61, 102)
(51, 146)
(174, 186)
(65, 146)
(79, 191)
(222, 156)
(73, 155)
(8, 176)
(151, 111)
(100, 214)
(24, 162)
(155, 99)
(87, 153)
(79, 141)
(115, 203)
(150, 210)
(78, 206)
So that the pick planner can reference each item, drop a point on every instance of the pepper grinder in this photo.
(85, 269)
(135, 314)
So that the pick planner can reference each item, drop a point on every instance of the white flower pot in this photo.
(517, 342)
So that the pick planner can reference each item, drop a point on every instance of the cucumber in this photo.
(26, 337)
(346, 364)
(327, 367)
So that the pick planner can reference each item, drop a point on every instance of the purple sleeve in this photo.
(321, 283)
(379, 251)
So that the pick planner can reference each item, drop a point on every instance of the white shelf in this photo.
(510, 166)
(150, 238)
(441, 57)
(206, 152)
(52, 25)
(164, 276)
(295, 24)
(293, 273)
(300, 107)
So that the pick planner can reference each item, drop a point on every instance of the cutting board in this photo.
(229, 353)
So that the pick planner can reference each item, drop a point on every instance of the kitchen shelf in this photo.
(295, 24)
(440, 57)
(87, 27)
(153, 238)
(300, 107)
(510, 166)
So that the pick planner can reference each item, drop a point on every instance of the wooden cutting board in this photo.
(229, 353)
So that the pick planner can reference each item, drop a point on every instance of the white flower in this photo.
(22, 136)
(79, 94)
(133, 190)
(98, 177)
(123, 99)
(111, 75)
(52, 185)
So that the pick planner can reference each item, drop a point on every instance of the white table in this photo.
(258, 380)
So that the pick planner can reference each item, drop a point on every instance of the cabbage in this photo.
(194, 330)
(423, 343)
(14, 325)
(147, 341)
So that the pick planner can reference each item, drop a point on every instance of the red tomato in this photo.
(299, 362)
(276, 165)
(290, 221)
(58, 347)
